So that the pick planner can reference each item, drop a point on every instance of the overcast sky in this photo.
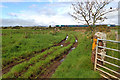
(43, 12)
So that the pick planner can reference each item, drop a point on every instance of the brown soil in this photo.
(61, 42)
(50, 70)
(8, 67)
(43, 58)
(65, 44)
(83, 30)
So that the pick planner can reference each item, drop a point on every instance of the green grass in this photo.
(15, 45)
(78, 62)
(34, 70)
(35, 61)
(22, 66)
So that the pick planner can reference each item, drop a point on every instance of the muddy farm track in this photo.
(8, 67)
(45, 72)
(51, 69)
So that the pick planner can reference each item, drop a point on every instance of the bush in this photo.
(103, 29)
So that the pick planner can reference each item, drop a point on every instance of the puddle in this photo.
(76, 40)
(66, 37)
(73, 48)
(62, 60)
(61, 45)
(69, 50)
(64, 41)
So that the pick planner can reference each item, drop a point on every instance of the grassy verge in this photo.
(78, 62)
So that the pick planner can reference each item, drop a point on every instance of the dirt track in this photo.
(51, 69)
(6, 69)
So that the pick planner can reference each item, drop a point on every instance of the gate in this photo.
(103, 68)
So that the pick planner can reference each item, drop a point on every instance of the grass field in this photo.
(19, 44)
(28, 53)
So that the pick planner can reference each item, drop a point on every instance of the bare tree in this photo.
(91, 11)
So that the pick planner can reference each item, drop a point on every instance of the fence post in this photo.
(96, 56)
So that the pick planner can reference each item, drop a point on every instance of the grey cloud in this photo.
(13, 22)
(112, 17)
(46, 11)
(51, 9)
